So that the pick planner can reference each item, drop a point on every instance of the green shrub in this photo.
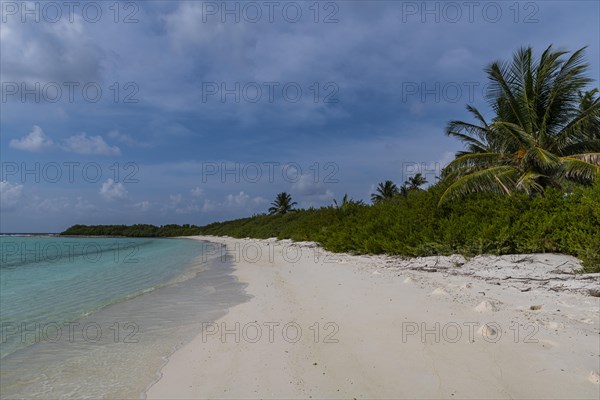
(416, 226)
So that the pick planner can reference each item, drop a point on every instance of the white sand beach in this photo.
(322, 325)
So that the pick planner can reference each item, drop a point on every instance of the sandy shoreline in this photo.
(323, 325)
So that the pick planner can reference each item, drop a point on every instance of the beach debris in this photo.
(488, 330)
(408, 279)
(594, 377)
(466, 286)
(536, 307)
(486, 306)
(526, 289)
(439, 292)
(543, 281)
(594, 292)
(376, 273)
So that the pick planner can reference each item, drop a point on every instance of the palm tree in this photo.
(347, 202)
(282, 204)
(385, 191)
(415, 182)
(404, 189)
(343, 204)
(540, 136)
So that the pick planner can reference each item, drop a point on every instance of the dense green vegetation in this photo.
(526, 182)
(388, 190)
(416, 226)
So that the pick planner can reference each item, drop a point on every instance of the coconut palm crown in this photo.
(415, 182)
(282, 204)
(544, 133)
(385, 191)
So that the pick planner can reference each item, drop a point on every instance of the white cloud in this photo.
(259, 201)
(50, 52)
(209, 206)
(175, 199)
(52, 205)
(307, 185)
(126, 139)
(197, 192)
(45, 205)
(318, 200)
(181, 205)
(142, 206)
(197, 202)
(84, 144)
(238, 200)
(242, 201)
(35, 141)
(82, 204)
(113, 191)
(10, 194)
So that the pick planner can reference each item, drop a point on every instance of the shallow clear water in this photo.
(97, 317)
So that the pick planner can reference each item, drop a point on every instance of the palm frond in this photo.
(469, 160)
(469, 140)
(591, 146)
(574, 130)
(500, 179)
(501, 88)
(542, 158)
(579, 170)
(529, 182)
(590, 158)
(515, 134)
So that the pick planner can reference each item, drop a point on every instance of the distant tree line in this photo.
(139, 230)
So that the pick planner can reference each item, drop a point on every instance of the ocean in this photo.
(98, 317)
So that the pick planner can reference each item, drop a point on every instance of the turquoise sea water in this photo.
(97, 317)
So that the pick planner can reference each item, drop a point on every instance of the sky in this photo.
(191, 112)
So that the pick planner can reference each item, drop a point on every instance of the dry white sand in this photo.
(382, 327)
